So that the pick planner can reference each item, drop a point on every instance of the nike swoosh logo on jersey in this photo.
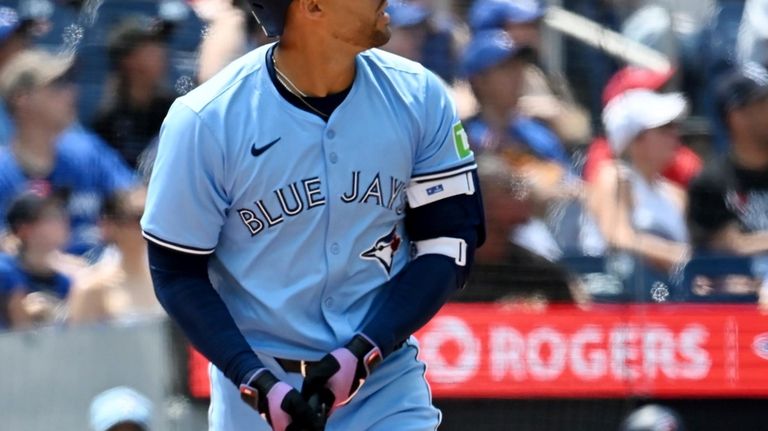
(256, 152)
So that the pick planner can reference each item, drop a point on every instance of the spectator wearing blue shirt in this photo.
(544, 96)
(48, 153)
(494, 65)
(35, 291)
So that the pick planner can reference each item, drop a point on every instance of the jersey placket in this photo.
(336, 248)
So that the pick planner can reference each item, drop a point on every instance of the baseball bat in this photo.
(320, 409)
(605, 39)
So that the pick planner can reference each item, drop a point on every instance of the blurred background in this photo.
(622, 147)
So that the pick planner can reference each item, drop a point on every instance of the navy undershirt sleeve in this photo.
(183, 288)
(418, 292)
(414, 296)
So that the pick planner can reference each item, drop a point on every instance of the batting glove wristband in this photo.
(337, 377)
(279, 404)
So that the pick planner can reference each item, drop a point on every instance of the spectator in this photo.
(716, 55)
(119, 280)
(685, 165)
(545, 98)
(728, 210)
(231, 31)
(35, 289)
(41, 100)
(420, 34)
(14, 38)
(137, 98)
(636, 209)
(120, 409)
(505, 271)
(494, 65)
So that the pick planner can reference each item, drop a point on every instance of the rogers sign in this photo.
(589, 353)
(487, 351)
(665, 350)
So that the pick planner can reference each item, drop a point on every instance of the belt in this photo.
(294, 366)
(301, 367)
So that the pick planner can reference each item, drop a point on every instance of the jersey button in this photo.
(335, 248)
(333, 157)
(328, 302)
(330, 134)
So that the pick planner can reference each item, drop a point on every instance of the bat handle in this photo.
(320, 408)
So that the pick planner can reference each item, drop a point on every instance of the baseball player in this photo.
(311, 206)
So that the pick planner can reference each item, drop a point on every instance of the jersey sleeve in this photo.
(443, 149)
(187, 199)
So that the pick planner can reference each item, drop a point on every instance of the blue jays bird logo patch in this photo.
(384, 249)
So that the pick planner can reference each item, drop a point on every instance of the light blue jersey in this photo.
(304, 219)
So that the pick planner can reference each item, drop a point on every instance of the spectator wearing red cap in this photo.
(683, 167)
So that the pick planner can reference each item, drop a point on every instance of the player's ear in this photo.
(311, 9)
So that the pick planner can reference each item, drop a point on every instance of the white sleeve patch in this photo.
(426, 192)
(455, 248)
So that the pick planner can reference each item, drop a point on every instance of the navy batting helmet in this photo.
(271, 15)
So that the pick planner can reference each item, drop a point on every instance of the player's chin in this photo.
(381, 36)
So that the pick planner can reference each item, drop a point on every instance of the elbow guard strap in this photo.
(426, 192)
(455, 248)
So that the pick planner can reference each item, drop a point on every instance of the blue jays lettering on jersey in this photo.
(304, 218)
(85, 169)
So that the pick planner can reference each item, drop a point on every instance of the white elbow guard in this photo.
(455, 248)
(425, 192)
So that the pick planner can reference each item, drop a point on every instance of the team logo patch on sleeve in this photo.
(435, 190)
(384, 249)
(461, 141)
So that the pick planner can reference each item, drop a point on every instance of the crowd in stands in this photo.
(603, 181)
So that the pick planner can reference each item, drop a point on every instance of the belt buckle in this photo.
(303, 367)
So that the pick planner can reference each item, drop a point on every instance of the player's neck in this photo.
(315, 69)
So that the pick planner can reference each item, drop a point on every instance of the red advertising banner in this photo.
(489, 351)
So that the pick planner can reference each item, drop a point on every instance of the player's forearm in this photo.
(184, 290)
(412, 298)
(415, 295)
